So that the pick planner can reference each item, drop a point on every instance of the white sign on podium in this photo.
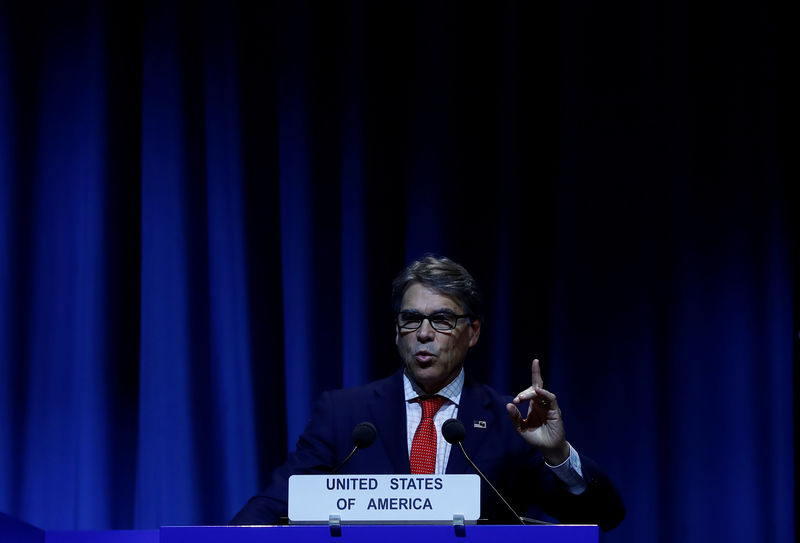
(423, 499)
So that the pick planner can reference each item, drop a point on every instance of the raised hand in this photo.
(543, 428)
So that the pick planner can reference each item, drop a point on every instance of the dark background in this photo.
(202, 206)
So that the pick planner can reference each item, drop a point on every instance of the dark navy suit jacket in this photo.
(515, 468)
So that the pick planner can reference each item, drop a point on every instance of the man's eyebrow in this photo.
(440, 311)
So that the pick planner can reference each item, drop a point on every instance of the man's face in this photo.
(433, 359)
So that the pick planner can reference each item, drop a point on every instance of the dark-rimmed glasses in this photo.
(440, 321)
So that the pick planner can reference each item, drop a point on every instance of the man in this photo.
(438, 310)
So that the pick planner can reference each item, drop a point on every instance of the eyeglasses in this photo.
(441, 322)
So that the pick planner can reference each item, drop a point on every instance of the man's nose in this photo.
(425, 332)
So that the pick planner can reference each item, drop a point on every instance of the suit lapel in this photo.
(387, 407)
(473, 411)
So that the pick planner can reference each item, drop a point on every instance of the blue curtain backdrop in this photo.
(202, 206)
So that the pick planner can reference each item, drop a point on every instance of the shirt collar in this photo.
(451, 391)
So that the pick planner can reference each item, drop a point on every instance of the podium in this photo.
(15, 531)
(394, 533)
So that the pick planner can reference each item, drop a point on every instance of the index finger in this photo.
(536, 374)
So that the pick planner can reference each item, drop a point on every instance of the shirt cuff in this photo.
(570, 473)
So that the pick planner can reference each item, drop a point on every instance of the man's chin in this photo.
(428, 377)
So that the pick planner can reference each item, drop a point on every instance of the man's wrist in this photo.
(570, 473)
(556, 456)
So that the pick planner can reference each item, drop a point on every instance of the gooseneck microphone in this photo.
(453, 432)
(364, 435)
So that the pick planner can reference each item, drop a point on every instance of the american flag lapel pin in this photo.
(479, 424)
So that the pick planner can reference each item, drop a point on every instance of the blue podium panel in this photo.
(384, 533)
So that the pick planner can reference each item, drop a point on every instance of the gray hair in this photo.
(441, 274)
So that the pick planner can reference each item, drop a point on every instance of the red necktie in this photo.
(423, 447)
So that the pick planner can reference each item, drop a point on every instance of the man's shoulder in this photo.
(483, 392)
(380, 386)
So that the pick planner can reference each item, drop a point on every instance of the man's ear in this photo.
(474, 331)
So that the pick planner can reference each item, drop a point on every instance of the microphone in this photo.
(453, 432)
(364, 435)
